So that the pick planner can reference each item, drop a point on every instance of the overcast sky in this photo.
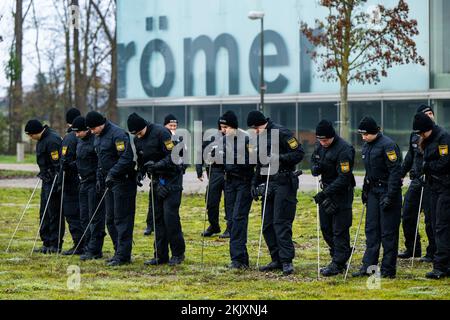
(48, 18)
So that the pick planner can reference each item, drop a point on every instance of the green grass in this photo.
(29, 158)
(15, 174)
(45, 277)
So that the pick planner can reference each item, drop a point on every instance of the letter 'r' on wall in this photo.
(157, 46)
(124, 53)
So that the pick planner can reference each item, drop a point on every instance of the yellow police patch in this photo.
(293, 144)
(64, 150)
(169, 145)
(392, 155)
(345, 167)
(120, 146)
(55, 155)
(443, 150)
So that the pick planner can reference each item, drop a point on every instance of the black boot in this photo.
(426, 259)
(288, 268)
(210, 231)
(91, 256)
(71, 251)
(436, 274)
(361, 273)
(148, 231)
(176, 260)
(236, 265)
(225, 235)
(116, 263)
(42, 250)
(274, 265)
(155, 262)
(332, 270)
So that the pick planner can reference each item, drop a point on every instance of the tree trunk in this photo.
(68, 75)
(16, 103)
(79, 85)
(344, 113)
(112, 100)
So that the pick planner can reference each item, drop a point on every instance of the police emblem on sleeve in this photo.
(443, 150)
(345, 167)
(120, 146)
(392, 155)
(64, 150)
(293, 144)
(55, 155)
(168, 144)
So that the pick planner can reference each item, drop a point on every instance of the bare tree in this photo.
(355, 46)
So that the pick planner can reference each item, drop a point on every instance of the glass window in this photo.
(124, 112)
(398, 119)
(440, 44)
(283, 114)
(442, 110)
(241, 111)
(209, 115)
(178, 111)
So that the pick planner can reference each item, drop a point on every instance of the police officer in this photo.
(47, 156)
(216, 175)
(282, 190)
(333, 159)
(383, 196)
(171, 123)
(436, 167)
(238, 175)
(116, 173)
(153, 146)
(87, 163)
(68, 171)
(413, 164)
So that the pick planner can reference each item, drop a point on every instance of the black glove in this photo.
(413, 175)
(316, 169)
(150, 167)
(254, 192)
(425, 167)
(139, 178)
(422, 180)
(320, 197)
(386, 203)
(329, 206)
(364, 197)
(109, 182)
(162, 191)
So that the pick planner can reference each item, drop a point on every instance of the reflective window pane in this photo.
(124, 112)
(440, 44)
(178, 111)
(442, 110)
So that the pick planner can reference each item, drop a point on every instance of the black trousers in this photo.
(168, 231)
(120, 212)
(94, 236)
(382, 228)
(440, 210)
(71, 208)
(216, 187)
(50, 226)
(336, 227)
(278, 218)
(409, 218)
(238, 201)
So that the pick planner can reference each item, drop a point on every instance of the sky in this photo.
(47, 16)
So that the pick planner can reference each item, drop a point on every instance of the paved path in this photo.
(190, 182)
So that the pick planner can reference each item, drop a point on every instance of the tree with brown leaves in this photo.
(352, 45)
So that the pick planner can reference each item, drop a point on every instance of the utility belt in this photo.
(88, 178)
(283, 176)
(374, 183)
(236, 176)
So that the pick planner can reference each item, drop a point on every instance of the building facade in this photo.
(198, 58)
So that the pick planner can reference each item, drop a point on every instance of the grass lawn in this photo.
(29, 158)
(46, 277)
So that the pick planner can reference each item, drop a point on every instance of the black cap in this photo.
(422, 123)
(256, 119)
(79, 124)
(136, 123)
(424, 108)
(33, 126)
(229, 118)
(170, 118)
(71, 114)
(368, 125)
(94, 119)
(325, 130)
